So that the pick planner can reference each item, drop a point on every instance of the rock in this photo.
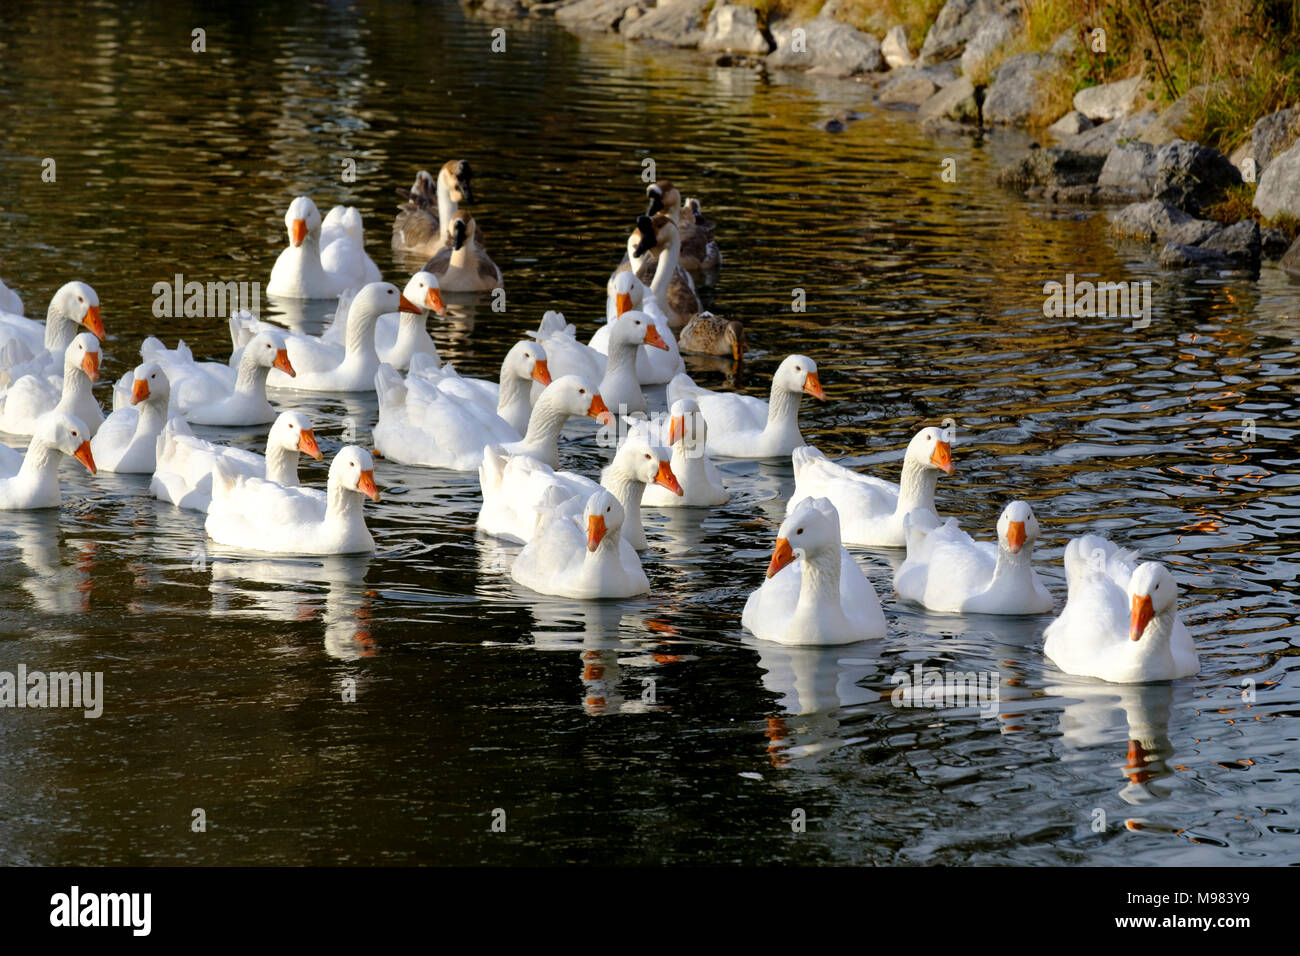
(1065, 45)
(1131, 167)
(1053, 166)
(909, 88)
(942, 126)
(1193, 232)
(1071, 124)
(1104, 137)
(1172, 123)
(1015, 95)
(674, 22)
(1290, 261)
(1174, 256)
(829, 47)
(1278, 190)
(501, 10)
(992, 33)
(594, 14)
(1241, 241)
(1274, 242)
(1271, 135)
(1239, 156)
(894, 48)
(1147, 221)
(1191, 176)
(956, 24)
(956, 101)
(1109, 100)
(733, 29)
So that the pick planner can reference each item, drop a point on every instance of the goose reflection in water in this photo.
(58, 574)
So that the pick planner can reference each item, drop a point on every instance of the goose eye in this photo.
(582, 391)
(799, 531)
(80, 299)
(74, 433)
(647, 457)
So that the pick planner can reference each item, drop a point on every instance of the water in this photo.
(652, 730)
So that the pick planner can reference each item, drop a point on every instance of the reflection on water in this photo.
(371, 710)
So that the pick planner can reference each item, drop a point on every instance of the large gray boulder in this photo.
(1191, 176)
(1290, 261)
(1054, 167)
(956, 101)
(1109, 100)
(733, 29)
(1148, 221)
(594, 14)
(1104, 137)
(1071, 124)
(956, 24)
(894, 48)
(1193, 232)
(992, 33)
(1174, 122)
(909, 88)
(1131, 167)
(1279, 188)
(677, 23)
(830, 47)
(1271, 135)
(1236, 246)
(1015, 95)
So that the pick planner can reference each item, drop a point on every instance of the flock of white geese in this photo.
(581, 536)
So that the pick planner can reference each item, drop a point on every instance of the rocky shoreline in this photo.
(1110, 146)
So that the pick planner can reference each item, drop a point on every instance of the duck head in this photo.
(150, 385)
(798, 373)
(269, 351)
(1017, 528)
(354, 469)
(1153, 593)
(457, 178)
(575, 396)
(663, 197)
(648, 463)
(624, 284)
(812, 527)
(302, 220)
(460, 230)
(930, 449)
(83, 352)
(79, 303)
(68, 434)
(636, 328)
(734, 334)
(686, 425)
(292, 431)
(424, 291)
(602, 515)
(527, 360)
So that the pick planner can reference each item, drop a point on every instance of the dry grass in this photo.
(1237, 204)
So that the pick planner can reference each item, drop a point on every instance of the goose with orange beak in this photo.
(35, 348)
(700, 480)
(1120, 622)
(258, 515)
(655, 365)
(621, 387)
(35, 482)
(814, 592)
(744, 427)
(299, 272)
(871, 509)
(584, 558)
(566, 397)
(463, 265)
(127, 441)
(400, 336)
(947, 571)
(31, 396)
(186, 463)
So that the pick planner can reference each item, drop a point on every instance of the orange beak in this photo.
(433, 298)
(737, 354)
(90, 365)
(139, 391)
(782, 556)
(623, 302)
(667, 478)
(407, 306)
(93, 322)
(813, 386)
(366, 485)
(941, 457)
(652, 337)
(1016, 536)
(676, 429)
(298, 232)
(84, 456)
(307, 444)
(595, 531)
(1143, 612)
(541, 373)
(282, 363)
(599, 412)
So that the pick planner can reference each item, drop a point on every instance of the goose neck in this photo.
(281, 464)
(916, 487)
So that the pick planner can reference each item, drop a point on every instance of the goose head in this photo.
(798, 373)
(664, 197)
(79, 303)
(686, 425)
(376, 299)
(1153, 592)
(302, 220)
(68, 434)
(650, 233)
(602, 515)
(347, 218)
(292, 431)
(527, 360)
(83, 352)
(646, 462)
(424, 291)
(929, 449)
(575, 396)
(811, 528)
(150, 385)
(1017, 528)
(457, 178)
(354, 470)
(269, 351)
(624, 283)
(636, 328)
(460, 230)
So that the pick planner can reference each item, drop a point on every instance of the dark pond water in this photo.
(652, 730)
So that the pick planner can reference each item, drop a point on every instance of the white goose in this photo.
(563, 398)
(35, 482)
(947, 571)
(11, 303)
(565, 355)
(700, 480)
(399, 336)
(437, 419)
(28, 347)
(260, 515)
(183, 475)
(745, 427)
(1120, 622)
(32, 396)
(620, 386)
(587, 561)
(343, 252)
(824, 598)
(515, 488)
(298, 272)
(127, 441)
(872, 510)
(654, 366)
(213, 393)
(317, 369)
